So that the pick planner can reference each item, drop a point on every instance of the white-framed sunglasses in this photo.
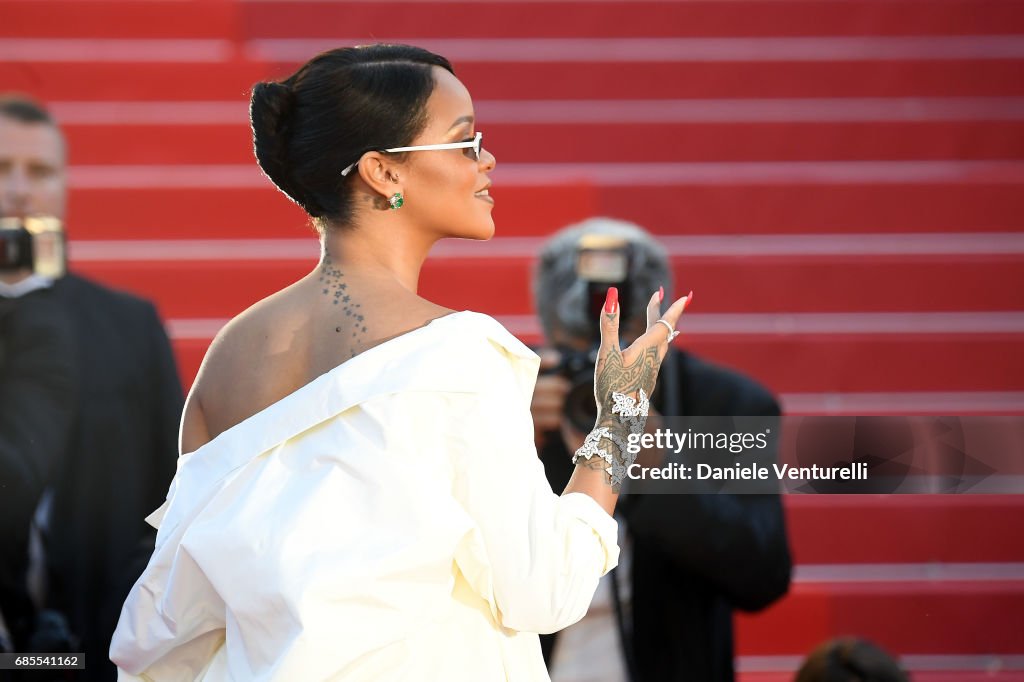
(474, 144)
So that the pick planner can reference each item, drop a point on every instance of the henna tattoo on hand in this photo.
(614, 375)
(622, 392)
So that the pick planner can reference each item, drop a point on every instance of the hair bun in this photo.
(270, 113)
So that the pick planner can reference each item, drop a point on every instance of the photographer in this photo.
(110, 446)
(688, 560)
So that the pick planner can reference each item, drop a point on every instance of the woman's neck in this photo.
(386, 252)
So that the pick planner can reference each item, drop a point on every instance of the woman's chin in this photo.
(488, 231)
(480, 232)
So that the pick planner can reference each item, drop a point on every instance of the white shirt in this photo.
(390, 520)
(25, 286)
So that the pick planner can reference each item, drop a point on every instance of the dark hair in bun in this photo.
(335, 108)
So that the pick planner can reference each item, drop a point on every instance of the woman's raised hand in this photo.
(635, 368)
(624, 378)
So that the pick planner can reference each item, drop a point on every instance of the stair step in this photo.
(1008, 403)
(980, 673)
(870, 363)
(208, 202)
(122, 19)
(132, 78)
(262, 212)
(74, 80)
(231, 143)
(742, 285)
(934, 617)
(850, 529)
(617, 19)
(826, 363)
(410, 20)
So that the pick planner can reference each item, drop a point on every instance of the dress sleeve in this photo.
(545, 552)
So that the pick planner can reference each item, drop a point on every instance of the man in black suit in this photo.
(688, 559)
(122, 437)
(37, 400)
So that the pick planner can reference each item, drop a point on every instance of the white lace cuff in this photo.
(631, 412)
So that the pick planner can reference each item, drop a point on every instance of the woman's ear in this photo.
(379, 173)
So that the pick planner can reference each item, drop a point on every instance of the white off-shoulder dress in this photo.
(388, 521)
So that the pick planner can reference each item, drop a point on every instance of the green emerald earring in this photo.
(395, 201)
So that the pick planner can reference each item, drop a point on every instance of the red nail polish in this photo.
(689, 300)
(661, 294)
(611, 301)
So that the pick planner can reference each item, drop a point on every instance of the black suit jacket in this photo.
(120, 462)
(695, 557)
(37, 400)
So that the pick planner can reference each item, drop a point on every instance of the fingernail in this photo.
(611, 301)
(689, 300)
(661, 294)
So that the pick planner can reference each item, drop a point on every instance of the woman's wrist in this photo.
(607, 446)
(605, 451)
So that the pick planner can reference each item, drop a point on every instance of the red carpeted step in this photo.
(170, 81)
(162, 143)
(799, 206)
(774, 284)
(933, 362)
(262, 212)
(698, 79)
(839, 208)
(813, 363)
(808, 284)
(161, 19)
(920, 617)
(841, 529)
(231, 143)
(121, 19)
(617, 19)
(155, 213)
(974, 674)
(73, 80)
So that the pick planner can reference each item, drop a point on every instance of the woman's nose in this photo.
(487, 160)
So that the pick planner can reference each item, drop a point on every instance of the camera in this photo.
(36, 243)
(602, 261)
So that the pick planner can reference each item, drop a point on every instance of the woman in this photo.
(361, 498)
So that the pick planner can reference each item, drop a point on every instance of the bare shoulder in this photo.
(283, 342)
(243, 335)
(226, 370)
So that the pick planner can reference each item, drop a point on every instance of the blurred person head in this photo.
(33, 178)
(561, 289)
(33, 160)
(346, 106)
(571, 277)
(850, 659)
